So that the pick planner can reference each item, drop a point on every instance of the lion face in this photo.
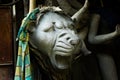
(55, 36)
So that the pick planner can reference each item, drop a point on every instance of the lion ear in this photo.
(31, 27)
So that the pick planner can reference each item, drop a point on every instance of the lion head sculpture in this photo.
(54, 35)
(54, 43)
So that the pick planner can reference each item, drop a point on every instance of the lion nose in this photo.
(74, 42)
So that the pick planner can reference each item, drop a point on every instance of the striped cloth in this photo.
(23, 66)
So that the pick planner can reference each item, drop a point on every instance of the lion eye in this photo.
(59, 27)
(49, 29)
(71, 27)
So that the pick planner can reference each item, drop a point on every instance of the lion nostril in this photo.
(67, 38)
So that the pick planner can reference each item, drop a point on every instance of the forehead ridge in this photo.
(59, 19)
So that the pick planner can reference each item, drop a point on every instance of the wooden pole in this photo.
(32, 5)
(101, 3)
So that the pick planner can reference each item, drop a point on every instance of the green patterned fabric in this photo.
(23, 66)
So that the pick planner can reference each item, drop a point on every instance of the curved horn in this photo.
(78, 15)
(32, 5)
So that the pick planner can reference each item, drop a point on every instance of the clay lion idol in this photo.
(54, 43)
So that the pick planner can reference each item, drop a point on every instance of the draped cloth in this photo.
(23, 65)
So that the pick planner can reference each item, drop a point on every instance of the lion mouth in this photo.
(62, 55)
(63, 62)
